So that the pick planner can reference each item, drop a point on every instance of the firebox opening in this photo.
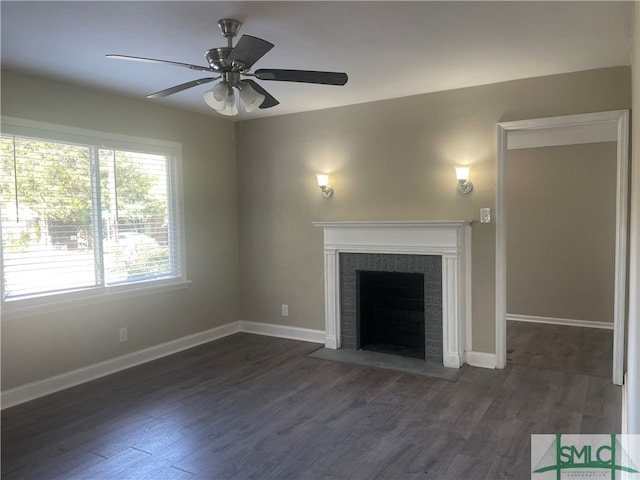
(391, 314)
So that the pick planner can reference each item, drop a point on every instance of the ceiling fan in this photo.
(233, 64)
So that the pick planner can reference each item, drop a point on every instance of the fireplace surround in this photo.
(404, 310)
(451, 240)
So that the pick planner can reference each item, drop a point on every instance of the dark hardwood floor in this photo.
(255, 407)
(560, 347)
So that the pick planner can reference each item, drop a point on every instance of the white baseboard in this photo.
(283, 331)
(451, 360)
(559, 321)
(40, 388)
(481, 359)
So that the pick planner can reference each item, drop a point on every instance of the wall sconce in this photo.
(323, 183)
(464, 185)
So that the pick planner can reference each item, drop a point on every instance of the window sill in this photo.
(41, 305)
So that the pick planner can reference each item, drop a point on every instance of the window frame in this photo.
(41, 303)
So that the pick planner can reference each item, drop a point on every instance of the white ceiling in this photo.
(388, 49)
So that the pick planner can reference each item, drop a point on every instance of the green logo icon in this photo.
(585, 456)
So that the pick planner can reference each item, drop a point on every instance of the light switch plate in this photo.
(485, 215)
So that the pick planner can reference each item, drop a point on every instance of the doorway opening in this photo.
(555, 132)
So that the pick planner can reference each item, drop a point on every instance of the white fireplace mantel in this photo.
(449, 239)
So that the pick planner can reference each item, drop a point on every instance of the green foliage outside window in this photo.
(50, 203)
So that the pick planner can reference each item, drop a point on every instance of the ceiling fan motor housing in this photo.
(217, 58)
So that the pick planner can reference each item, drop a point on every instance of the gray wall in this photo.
(389, 160)
(561, 211)
(39, 346)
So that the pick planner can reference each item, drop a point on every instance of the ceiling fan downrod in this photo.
(217, 56)
(229, 28)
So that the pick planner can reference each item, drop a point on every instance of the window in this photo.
(85, 213)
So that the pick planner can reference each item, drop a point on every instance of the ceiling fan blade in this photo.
(249, 50)
(181, 87)
(166, 62)
(269, 101)
(304, 76)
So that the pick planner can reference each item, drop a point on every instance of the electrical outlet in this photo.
(123, 334)
(285, 310)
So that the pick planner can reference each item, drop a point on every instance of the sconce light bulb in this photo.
(464, 185)
(323, 183)
(462, 173)
(323, 180)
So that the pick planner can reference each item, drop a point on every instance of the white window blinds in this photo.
(82, 216)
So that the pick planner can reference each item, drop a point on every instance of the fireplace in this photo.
(390, 313)
(439, 251)
(397, 296)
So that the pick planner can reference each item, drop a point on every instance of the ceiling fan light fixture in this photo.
(216, 96)
(221, 92)
(222, 99)
(230, 107)
(211, 101)
(250, 98)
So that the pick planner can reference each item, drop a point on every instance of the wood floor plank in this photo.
(60, 464)
(112, 467)
(464, 466)
(254, 407)
(560, 347)
(169, 473)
